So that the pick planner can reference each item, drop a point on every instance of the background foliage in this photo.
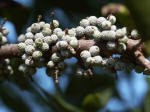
(101, 93)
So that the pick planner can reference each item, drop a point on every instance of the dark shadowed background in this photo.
(102, 93)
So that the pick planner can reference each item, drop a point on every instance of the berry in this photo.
(29, 35)
(134, 34)
(89, 30)
(92, 20)
(94, 50)
(35, 28)
(37, 55)
(97, 60)
(100, 20)
(54, 38)
(38, 35)
(29, 62)
(123, 39)
(42, 24)
(28, 29)
(121, 47)
(74, 43)
(108, 35)
(106, 25)
(55, 23)
(45, 47)
(24, 56)
(21, 47)
(62, 45)
(72, 32)
(48, 40)
(21, 38)
(46, 31)
(66, 38)
(84, 23)
(79, 31)
(5, 31)
(47, 25)
(60, 34)
(50, 64)
(111, 45)
(57, 30)
(55, 57)
(112, 19)
(97, 35)
(79, 71)
(90, 61)
(1, 36)
(4, 40)
(29, 49)
(85, 54)
(29, 42)
(113, 27)
(65, 53)
(21, 68)
(121, 32)
(38, 42)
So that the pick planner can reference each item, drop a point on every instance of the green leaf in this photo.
(95, 101)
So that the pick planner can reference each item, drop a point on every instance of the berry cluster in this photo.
(3, 33)
(5, 68)
(41, 37)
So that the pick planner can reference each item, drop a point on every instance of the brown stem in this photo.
(134, 50)
(56, 76)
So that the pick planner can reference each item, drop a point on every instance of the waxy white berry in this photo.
(55, 23)
(100, 20)
(108, 35)
(111, 45)
(5, 31)
(79, 31)
(97, 60)
(45, 47)
(134, 34)
(85, 54)
(62, 45)
(106, 25)
(84, 23)
(29, 35)
(38, 35)
(92, 20)
(21, 38)
(97, 35)
(29, 42)
(94, 50)
(112, 19)
(35, 28)
(38, 42)
(29, 49)
(74, 43)
(37, 55)
(89, 30)
(50, 64)
(21, 47)
(46, 31)
(55, 57)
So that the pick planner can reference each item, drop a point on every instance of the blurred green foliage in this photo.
(81, 94)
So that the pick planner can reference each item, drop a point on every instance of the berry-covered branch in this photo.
(95, 42)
